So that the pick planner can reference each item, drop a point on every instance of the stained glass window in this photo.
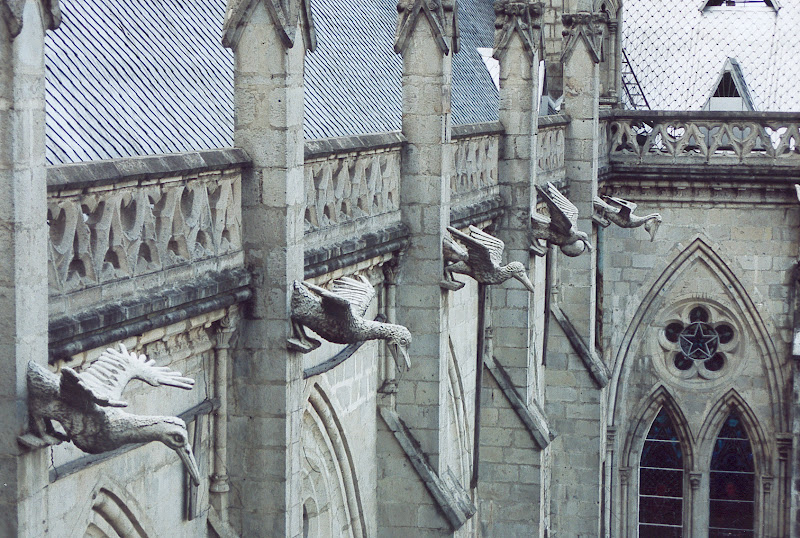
(732, 485)
(661, 481)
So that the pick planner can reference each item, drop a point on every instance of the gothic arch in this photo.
(732, 401)
(458, 416)
(330, 490)
(659, 398)
(698, 252)
(113, 514)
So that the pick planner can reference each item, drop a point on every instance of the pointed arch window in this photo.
(732, 484)
(661, 481)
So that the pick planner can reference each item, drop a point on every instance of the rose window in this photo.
(698, 343)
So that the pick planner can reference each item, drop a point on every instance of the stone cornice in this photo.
(285, 16)
(440, 15)
(11, 13)
(586, 27)
(518, 16)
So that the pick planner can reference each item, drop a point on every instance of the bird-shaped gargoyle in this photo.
(337, 315)
(452, 253)
(485, 261)
(87, 403)
(609, 209)
(560, 228)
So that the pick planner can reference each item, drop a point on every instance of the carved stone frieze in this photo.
(704, 138)
(518, 16)
(342, 188)
(474, 167)
(442, 16)
(586, 27)
(551, 154)
(105, 234)
(286, 15)
(11, 13)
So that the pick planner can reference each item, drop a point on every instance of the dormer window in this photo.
(753, 4)
(730, 92)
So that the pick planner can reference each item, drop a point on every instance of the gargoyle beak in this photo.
(522, 277)
(400, 356)
(652, 227)
(191, 465)
(589, 246)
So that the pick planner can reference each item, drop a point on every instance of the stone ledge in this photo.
(532, 416)
(69, 335)
(329, 258)
(97, 173)
(452, 499)
(554, 120)
(463, 216)
(324, 147)
(476, 129)
(594, 365)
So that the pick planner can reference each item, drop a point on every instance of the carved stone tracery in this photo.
(588, 27)
(123, 231)
(442, 16)
(522, 17)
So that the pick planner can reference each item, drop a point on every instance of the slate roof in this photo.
(678, 50)
(141, 78)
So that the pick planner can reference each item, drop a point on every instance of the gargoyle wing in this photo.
(106, 378)
(563, 213)
(358, 292)
(625, 207)
(485, 251)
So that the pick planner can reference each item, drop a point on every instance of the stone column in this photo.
(423, 38)
(574, 396)
(517, 47)
(269, 39)
(23, 242)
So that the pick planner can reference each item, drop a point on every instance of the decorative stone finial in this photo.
(11, 13)
(285, 16)
(560, 228)
(86, 405)
(485, 257)
(442, 15)
(583, 26)
(338, 316)
(521, 16)
(609, 209)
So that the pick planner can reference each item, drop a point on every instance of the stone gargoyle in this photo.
(87, 403)
(485, 259)
(337, 315)
(560, 228)
(609, 209)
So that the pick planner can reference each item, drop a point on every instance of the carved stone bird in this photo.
(338, 316)
(560, 228)
(610, 209)
(86, 404)
(452, 253)
(485, 259)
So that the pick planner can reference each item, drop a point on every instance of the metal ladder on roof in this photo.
(633, 90)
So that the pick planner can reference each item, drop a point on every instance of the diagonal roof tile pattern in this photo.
(678, 51)
(126, 79)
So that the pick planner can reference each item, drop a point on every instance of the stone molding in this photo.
(476, 129)
(100, 326)
(531, 415)
(92, 174)
(325, 147)
(594, 365)
(586, 27)
(438, 13)
(11, 13)
(522, 17)
(450, 496)
(285, 16)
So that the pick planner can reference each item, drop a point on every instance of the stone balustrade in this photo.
(111, 221)
(721, 138)
(550, 153)
(474, 172)
(351, 178)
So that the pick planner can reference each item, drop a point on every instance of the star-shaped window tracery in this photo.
(698, 341)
